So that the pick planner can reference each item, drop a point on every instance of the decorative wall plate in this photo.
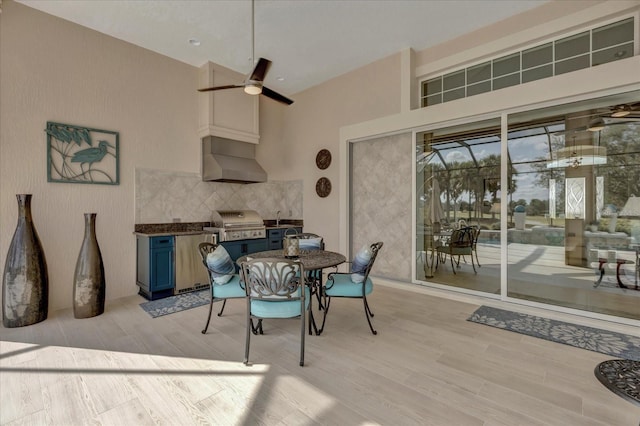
(323, 187)
(323, 159)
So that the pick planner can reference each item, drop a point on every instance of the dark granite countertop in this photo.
(179, 228)
(175, 233)
(289, 223)
(194, 228)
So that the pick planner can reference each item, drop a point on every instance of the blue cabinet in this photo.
(275, 236)
(155, 266)
(241, 248)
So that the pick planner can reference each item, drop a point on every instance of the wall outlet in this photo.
(290, 213)
(176, 220)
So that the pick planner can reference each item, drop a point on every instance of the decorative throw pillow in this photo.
(220, 265)
(360, 263)
(310, 243)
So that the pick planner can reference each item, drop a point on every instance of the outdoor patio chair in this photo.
(460, 244)
(274, 289)
(356, 284)
(310, 241)
(224, 283)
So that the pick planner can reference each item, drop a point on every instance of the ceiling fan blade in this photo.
(229, 86)
(621, 120)
(260, 70)
(276, 96)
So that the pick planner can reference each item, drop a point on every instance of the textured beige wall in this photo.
(53, 70)
(313, 123)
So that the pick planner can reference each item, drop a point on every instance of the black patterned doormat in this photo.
(622, 377)
(593, 339)
(173, 304)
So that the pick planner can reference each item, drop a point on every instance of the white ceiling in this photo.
(309, 41)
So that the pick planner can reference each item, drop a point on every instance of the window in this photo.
(583, 50)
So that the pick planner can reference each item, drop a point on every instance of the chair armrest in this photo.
(346, 263)
(329, 282)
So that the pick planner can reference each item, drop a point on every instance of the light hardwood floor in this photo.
(426, 366)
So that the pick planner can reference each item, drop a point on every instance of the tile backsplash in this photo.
(164, 196)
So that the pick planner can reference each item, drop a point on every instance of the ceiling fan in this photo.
(618, 114)
(627, 111)
(253, 84)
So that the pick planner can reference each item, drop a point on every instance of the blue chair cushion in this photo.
(310, 243)
(359, 264)
(220, 265)
(279, 308)
(230, 289)
(343, 286)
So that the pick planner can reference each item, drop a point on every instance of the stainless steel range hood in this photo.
(226, 160)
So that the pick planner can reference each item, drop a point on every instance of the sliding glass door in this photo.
(571, 205)
(458, 188)
(573, 240)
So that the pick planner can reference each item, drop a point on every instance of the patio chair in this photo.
(460, 244)
(274, 290)
(310, 241)
(224, 283)
(356, 284)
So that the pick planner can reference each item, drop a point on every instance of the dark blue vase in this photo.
(25, 284)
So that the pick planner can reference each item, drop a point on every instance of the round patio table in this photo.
(311, 259)
(621, 376)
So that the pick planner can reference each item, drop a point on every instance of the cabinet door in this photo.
(238, 249)
(257, 245)
(162, 274)
(235, 249)
(275, 236)
(274, 239)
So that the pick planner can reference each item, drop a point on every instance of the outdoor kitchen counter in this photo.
(178, 228)
(166, 233)
(195, 228)
(289, 223)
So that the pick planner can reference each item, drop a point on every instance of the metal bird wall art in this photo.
(69, 160)
(90, 155)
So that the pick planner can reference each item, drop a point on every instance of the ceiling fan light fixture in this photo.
(621, 111)
(578, 155)
(596, 125)
(253, 88)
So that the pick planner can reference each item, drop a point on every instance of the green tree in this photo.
(537, 207)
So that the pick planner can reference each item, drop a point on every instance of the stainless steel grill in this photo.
(234, 225)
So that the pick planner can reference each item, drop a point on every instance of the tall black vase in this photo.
(25, 284)
(89, 286)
